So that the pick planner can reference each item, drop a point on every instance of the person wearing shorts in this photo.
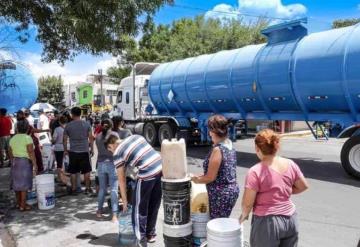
(5, 130)
(79, 134)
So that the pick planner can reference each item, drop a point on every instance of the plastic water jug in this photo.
(126, 231)
(173, 155)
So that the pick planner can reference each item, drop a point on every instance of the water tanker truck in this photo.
(295, 76)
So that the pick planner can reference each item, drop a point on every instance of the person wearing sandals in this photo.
(220, 170)
(106, 169)
(23, 163)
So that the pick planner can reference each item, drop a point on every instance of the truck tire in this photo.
(166, 132)
(151, 134)
(350, 156)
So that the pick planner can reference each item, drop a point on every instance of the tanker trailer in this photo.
(295, 76)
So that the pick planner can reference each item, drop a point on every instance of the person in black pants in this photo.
(138, 159)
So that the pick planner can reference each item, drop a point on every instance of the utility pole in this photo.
(101, 88)
(69, 94)
(134, 87)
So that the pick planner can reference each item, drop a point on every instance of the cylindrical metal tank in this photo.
(18, 87)
(294, 76)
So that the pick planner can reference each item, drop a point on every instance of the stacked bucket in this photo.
(199, 213)
(176, 188)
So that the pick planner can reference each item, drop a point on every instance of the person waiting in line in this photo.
(220, 170)
(24, 163)
(119, 127)
(57, 141)
(134, 156)
(5, 132)
(44, 122)
(79, 134)
(55, 122)
(106, 169)
(268, 188)
(32, 131)
(29, 118)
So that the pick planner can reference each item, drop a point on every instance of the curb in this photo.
(297, 134)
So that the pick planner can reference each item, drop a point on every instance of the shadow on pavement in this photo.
(109, 239)
(37, 222)
(312, 168)
(92, 216)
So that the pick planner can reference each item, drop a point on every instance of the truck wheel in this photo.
(150, 134)
(166, 132)
(350, 156)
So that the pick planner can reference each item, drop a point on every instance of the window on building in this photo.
(85, 94)
(127, 97)
(73, 96)
(97, 100)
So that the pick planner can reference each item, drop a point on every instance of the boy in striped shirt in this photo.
(134, 157)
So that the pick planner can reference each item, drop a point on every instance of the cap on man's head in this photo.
(41, 110)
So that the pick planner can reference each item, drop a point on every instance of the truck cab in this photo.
(127, 107)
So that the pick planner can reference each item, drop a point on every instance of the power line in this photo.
(237, 13)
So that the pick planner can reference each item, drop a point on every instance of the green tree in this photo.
(345, 22)
(192, 37)
(51, 90)
(118, 73)
(67, 27)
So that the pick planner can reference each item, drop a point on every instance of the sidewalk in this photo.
(71, 223)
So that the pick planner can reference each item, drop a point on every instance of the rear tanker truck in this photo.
(295, 76)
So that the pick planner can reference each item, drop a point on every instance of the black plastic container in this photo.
(176, 195)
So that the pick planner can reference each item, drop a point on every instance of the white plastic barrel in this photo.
(200, 221)
(224, 232)
(45, 191)
(174, 161)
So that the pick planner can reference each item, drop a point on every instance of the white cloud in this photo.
(71, 72)
(270, 8)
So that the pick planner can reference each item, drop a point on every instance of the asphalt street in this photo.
(328, 212)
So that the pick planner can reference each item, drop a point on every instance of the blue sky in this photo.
(319, 12)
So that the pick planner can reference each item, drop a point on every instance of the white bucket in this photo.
(200, 221)
(45, 188)
(47, 156)
(224, 232)
(177, 231)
